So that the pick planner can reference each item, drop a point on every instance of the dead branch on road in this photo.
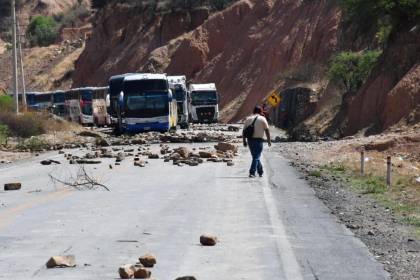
(82, 181)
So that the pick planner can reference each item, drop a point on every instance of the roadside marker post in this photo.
(388, 171)
(362, 161)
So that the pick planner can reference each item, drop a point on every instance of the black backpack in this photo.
(249, 130)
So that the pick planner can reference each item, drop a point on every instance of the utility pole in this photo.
(22, 72)
(14, 57)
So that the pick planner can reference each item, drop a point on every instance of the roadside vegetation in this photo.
(386, 16)
(352, 69)
(402, 198)
(25, 128)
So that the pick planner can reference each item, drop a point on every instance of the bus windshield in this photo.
(204, 97)
(58, 97)
(146, 104)
(145, 86)
(86, 95)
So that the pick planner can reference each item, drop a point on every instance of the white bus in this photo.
(146, 104)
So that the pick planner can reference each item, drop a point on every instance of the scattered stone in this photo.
(49, 162)
(230, 163)
(60, 152)
(183, 152)
(233, 128)
(204, 154)
(224, 147)
(208, 240)
(175, 156)
(154, 156)
(61, 261)
(86, 161)
(142, 273)
(148, 260)
(103, 142)
(140, 163)
(12, 186)
(120, 157)
(127, 271)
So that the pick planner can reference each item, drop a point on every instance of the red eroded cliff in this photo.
(123, 38)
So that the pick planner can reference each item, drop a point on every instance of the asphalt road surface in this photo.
(269, 228)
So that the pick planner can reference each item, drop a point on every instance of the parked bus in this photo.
(146, 104)
(178, 85)
(30, 100)
(204, 103)
(115, 88)
(86, 97)
(58, 107)
(99, 105)
(43, 101)
(72, 105)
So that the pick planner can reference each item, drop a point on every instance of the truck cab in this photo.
(204, 103)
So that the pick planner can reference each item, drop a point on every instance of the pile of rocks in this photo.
(140, 270)
(224, 152)
(169, 137)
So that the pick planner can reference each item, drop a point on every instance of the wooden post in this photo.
(388, 171)
(362, 161)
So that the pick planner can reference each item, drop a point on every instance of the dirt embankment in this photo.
(392, 93)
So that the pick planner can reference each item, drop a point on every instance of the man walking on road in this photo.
(253, 136)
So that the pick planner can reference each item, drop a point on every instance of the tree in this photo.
(42, 31)
(352, 69)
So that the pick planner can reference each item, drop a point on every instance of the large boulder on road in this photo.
(61, 261)
(224, 147)
(142, 273)
(127, 271)
(12, 186)
(148, 260)
(208, 240)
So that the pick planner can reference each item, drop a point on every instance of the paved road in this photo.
(269, 228)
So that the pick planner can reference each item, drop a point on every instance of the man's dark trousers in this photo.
(256, 147)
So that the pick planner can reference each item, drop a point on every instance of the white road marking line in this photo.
(290, 264)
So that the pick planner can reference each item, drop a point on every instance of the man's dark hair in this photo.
(257, 110)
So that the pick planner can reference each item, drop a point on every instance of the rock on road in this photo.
(268, 228)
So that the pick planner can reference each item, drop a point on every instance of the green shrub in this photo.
(4, 133)
(25, 125)
(6, 103)
(352, 69)
(396, 12)
(33, 144)
(42, 31)
(315, 173)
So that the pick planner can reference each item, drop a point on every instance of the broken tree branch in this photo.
(81, 181)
